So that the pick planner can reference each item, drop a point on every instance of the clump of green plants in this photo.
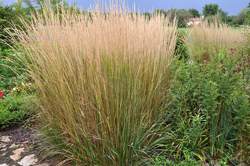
(9, 17)
(245, 57)
(208, 115)
(181, 49)
(12, 72)
(101, 81)
(15, 108)
(16, 92)
(164, 161)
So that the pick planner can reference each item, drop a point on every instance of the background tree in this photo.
(182, 15)
(210, 10)
(244, 17)
(9, 16)
(194, 12)
(247, 17)
(160, 12)
(37, 4)
(234, 20)
(213, 11)
(222, 15)
(147, 15)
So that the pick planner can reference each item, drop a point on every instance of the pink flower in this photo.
(1, 94)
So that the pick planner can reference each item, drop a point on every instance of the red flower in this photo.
(1, 94)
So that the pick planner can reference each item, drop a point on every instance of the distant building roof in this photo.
(195, 21)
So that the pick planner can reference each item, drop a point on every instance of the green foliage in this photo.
(37, 5)
(243, 18)
(194, 12)
(14, 109)
(181, 49)
(12, 71)
(6, 14)
(247, 17)
(9, 17)
(17, 104)
(209, 111)
(210, 10)
(222, 15)
(162, 161)
(235, 20)
(182, 15)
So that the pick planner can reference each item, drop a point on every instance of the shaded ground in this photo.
(18, 147)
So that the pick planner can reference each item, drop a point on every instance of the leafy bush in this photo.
(181, 49)
(209, 112)
(163, 161)
(9, 17)
(14, 109)
(17, 104)
(12, 71)
(245, 58)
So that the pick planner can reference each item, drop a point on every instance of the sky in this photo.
(232, 7)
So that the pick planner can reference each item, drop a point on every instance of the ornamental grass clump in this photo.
(212, 37)
(101, 79)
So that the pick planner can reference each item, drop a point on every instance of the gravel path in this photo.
(18, 148)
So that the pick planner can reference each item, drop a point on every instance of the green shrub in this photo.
(209, 112)
(12, 71)
(7, 16)
(16, 105)
(163, 161)
(14, 109)
(181, 49)
(245, 58)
